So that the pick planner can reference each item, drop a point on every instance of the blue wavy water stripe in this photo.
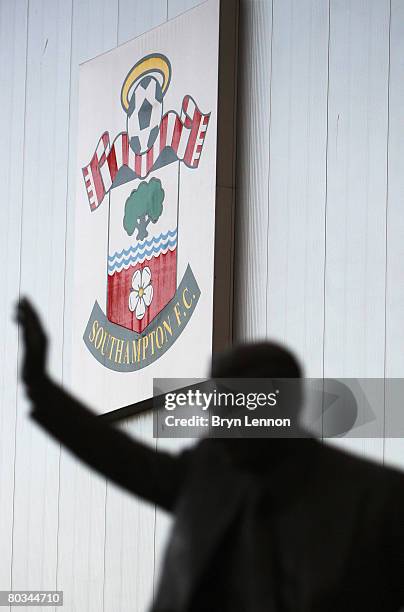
(134, 256)
(133, 260)
(147, 243)
(147, 252)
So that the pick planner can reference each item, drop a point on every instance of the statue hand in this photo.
(35, 344)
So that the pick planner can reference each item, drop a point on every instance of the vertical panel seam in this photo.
(247, 182)
(326, 201)
(386, 235)
(19, 293)
(269, 172)
(64, 284)
(231, 314)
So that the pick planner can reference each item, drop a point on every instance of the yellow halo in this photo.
(150, 63)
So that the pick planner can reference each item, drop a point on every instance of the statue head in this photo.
(262, 366)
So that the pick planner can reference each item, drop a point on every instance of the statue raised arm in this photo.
(154, 476)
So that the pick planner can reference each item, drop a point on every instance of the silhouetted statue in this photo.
(259, 525)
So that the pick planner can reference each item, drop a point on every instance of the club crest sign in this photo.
(135, 173)
(145, 251)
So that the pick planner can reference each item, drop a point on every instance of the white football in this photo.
(144, 114)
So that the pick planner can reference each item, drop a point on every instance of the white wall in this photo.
(320, 223)
(319, 245)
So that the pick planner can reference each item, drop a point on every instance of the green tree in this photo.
(144, 205)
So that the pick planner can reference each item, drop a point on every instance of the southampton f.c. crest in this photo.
(147, 305)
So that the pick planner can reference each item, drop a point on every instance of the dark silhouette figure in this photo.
(260, 525)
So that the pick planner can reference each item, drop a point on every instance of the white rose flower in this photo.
(142, 292)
